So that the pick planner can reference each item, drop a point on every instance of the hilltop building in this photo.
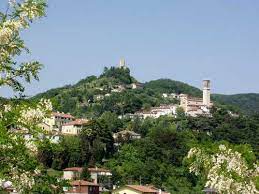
(122, 64)
(194, 106)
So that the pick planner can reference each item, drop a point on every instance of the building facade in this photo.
(73, 127)
(56, 121)
(82, 187)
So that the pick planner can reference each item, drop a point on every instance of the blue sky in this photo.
(177, 39)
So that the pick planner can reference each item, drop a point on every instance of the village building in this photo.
(82, 187)
(171, 95)
(118, 88)
(45, 127)
(98, 97)
(138, 189)
(96, 173)
(73, 127)
(156, 112)
(125, 135)
(194, 106)
(56, 121)
(137, 86)
(74, 173)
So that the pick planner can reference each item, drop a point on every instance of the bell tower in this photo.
(206, 92)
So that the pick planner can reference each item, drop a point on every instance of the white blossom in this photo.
(223, 167)
(222, 147)
(7, 108)
(31, 146)
(35, 115)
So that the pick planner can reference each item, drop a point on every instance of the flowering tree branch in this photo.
(19, 167)
(17, 17)
(225, 169)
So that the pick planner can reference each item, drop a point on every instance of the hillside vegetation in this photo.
(159, 157)
(247, 103)
(111, 91)
(171, 86)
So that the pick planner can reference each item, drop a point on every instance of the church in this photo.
(194, 106)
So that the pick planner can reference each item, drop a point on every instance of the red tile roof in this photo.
(84, 183)
(77, 122)
(58, 114)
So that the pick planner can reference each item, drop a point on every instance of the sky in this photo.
(184, 40)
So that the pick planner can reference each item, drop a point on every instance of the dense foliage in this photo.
(225, 168)
(93, 96)
(19, 167)
(247, 103)
(171, 86)
(158, 157)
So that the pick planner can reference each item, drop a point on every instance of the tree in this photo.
(228, 169)
(85, 175)
(96, 143)
(16, 18)
(110, 121)
(18, 163)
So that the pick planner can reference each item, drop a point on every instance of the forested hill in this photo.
(247, 103)
(171, 86)
(112, 91)
(159, 156)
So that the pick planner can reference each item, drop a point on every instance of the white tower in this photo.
(206, 92)
(122, 64)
